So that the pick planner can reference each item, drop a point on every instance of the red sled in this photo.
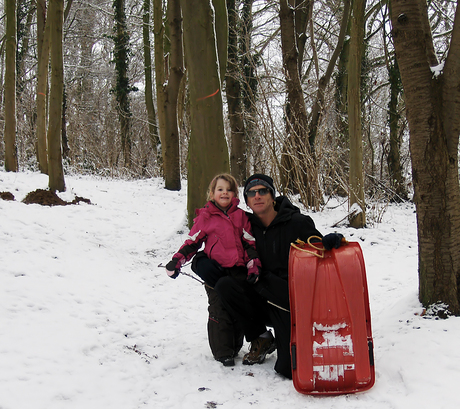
(331, 336)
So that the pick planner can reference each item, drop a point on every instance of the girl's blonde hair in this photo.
(228, 178)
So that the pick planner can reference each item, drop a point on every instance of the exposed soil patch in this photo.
(45, 198)
(6, 196)
(48, 198)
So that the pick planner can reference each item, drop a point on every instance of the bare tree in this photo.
(169, 73)
(55, 17)
(122, 87)
(356, 193)
(395, 169)
(238, 162)
(298, 168)
(432, 95)
(171, 90)
(151, 115)
(160, 78)
(11, 161)
(208, 152)
(43, 47)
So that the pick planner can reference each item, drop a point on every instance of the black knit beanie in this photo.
(258, 179)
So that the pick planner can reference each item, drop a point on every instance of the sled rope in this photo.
(321, 250)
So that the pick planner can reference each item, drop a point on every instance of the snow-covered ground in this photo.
(89, 320)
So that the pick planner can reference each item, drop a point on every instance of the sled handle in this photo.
(321, 250)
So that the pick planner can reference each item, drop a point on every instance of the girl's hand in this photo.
(173, 268)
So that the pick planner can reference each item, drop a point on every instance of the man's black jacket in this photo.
(273, 242)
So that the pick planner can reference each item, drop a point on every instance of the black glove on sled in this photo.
(332, 241)
(173, 268)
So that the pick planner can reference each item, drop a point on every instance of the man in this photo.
(276, 223)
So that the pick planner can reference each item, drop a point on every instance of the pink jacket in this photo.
(227, 236)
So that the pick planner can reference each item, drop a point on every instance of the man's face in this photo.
(260, 203)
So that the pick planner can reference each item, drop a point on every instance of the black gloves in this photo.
(332, 241)
(173, 268)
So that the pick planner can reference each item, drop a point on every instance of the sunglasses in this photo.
(262, 192)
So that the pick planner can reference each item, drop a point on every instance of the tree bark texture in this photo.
(170, 89)
(356, 190)
(249, 83)
(43, 46)
(298, 113)
(395, 169)
(86, 91)
(238, 162)
(208, 152)
(55, 169)
(123, 89)
(433, 114)
(11, 160)
(325, 79)
(298, 168)
(221, 28)
(151, 115)
(23, 37)
(303, 9)
(160, 70)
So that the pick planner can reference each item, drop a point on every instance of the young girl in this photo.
(229, 249)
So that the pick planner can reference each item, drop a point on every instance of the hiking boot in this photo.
(260, 348)
(227, 361)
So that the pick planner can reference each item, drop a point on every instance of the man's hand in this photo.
(332, 241)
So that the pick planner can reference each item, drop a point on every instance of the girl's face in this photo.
(222, 194)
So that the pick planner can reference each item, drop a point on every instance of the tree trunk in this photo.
(11, 160)
(85, 91)
(123, 89)
(208, 153)
(302, 16)
(397, 181)
(433, 114)
(171, 156)
(298, 114)
(56, 19)
(356, 194)
(168, 74)
(160, 76)
(341, 85)
(325, 79)
(238, 162)
(43, 47)
(27, 12)
(298, 168)
(64, 139)
(221, 29)
(151, 115)
(249, 83)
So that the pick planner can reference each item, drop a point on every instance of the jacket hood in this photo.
(284, 208)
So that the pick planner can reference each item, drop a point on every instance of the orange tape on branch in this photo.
(209, 96)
